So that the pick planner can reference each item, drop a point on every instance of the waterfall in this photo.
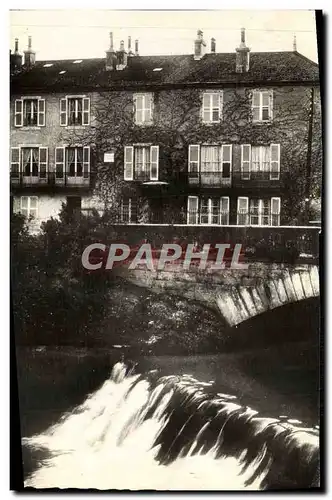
(143, 432)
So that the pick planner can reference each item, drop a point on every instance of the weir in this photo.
(171, 433)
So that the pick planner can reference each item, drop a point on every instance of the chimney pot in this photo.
(242, 55)
(199, 46)
(16, 58)
(136, 48)
(29, 54)
(213, 45)
(122, 46)
(16, 45)
(294, 44)
(111, 59)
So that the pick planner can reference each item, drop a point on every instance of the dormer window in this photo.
(30, 112)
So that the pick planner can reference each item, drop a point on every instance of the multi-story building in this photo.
(204, 138)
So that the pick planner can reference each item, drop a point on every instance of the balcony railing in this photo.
(47, 179)
(256, 178)
(213, 179)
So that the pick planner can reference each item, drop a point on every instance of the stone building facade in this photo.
(207, 138)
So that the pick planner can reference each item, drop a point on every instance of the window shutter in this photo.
(43, 159)
(63, 112)
(41, 112)
(15, 162)
(275, 161)
(16, 204)
(59, 162)
(138, 108)
(242, 210)
(193, 158)
(18, 113)
(271, 104)
(86, 162)
(86, 111)
(275, 211)
(226, 160)
(24, 205)
(245, 161)
(192, 215)
(224, 210)
(128, 163)
(256, 104)
(149, 108)
(154, 166)
(221, 104)
(206, 107)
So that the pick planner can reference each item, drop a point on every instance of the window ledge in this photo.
(261, 122)
(211, 123)
(29, 127)
(76, 127)
(144, 124)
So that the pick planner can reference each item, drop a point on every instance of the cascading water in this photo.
(143, 432)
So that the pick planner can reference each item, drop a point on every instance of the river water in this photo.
(233, 421)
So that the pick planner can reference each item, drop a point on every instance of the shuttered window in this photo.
(143, 107)
(141, 163)
(258, 211)
(208, 210)
(30, 112)
(212, 103)
(74, 111)
(260, 162)
(262, 105)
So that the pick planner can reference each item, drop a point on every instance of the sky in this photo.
(84, 33)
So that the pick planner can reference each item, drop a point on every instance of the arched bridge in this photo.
(264, 283)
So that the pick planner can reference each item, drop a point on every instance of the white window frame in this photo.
(245, 213)
(146, 110)
(29, 206)
(129, 211)
(247, 175)
(20, 153)
(260, 105)
(64, 110)
(199, 156)
(154, 149)
(19, 115)
(84, 163)
(197, 210)
(210, 108)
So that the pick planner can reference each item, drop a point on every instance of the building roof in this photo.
(266, 68)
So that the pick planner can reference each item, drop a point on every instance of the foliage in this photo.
(55, 300)
(177, 123)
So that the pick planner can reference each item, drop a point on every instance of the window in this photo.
(261, 162)
(29, 206)
(30, 112)
(30, 161)
(143, 104)
(262, 105)
(74, 161)
(74, 111)
(210, 164)
(141, 163)
(208, 210)
(212, 106)
(258, 212)
(128, 211)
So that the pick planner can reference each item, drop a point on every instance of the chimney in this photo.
(136, 48)
(242, 54)
(213, 45)
(130, 52)
(16, 58)
(199, 46)
(29, 55)
(294, 44)
(111, 59)
(122, 57)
